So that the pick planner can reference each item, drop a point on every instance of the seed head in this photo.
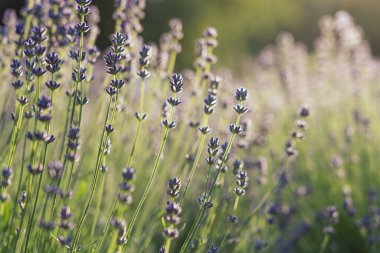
(38, 34)
(35, 170)
(232, 219)
(173, 101)
(23, 100)
(176, 83)
(213, 143)
(174, 187)
(241, 94)
(52, 85)
(117, 84)
(82, 28)
(205, 130)
(213, 249)
(119, 39)
(38, 71)
(304, 112)
(236, 129)
(167, 124)
(55, 169)
(7, 174)
(240, 109)
(83, 2)
(111, 91)
(44, 102)
(128, 173)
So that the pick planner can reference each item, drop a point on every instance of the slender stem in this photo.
(172, 60)
(167, 245)
(113, 239)
(28, 20)
(193, 228)
(325, 242)
(141, 111)
(16, 131)
(39, 182)
(195, 164)
(96, 172)
(130, 161)
(66, 127)
(98, 204)
(18, 186)
(202, 209)
(230, 224)
(100, 244)
(152, 177)
(35, 203)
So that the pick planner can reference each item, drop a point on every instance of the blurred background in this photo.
(245, 26)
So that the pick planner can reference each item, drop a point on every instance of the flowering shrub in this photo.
(120, 154)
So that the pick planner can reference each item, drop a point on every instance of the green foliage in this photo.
(291, 165)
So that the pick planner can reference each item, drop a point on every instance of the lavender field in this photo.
(123, 150)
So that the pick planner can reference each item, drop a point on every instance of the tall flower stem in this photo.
(230, 224)
(141, 111)
(15, 134)
(70, 115)
(325, 242)
(96, 174)
(202, 209)
(98, 204)
(43, 160)
(196, 162)
(129, 163)
(18, 186)
(152, 177)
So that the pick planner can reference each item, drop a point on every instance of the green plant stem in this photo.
(18, 187)
(15, 133)
(130, 161)
(28, 20)
(96, 172)
(20, 234)
(195, 164)
(167, 245)
(230, 224)
(100, 244)
(43, 160)
(98, 204)
(202, 209)
(69, 123)
(172, 60)
(325, 242)
(65, 130)
(151, 179)
(193, 228)
(141, 111)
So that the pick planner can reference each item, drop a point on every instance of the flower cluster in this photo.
(172, 213)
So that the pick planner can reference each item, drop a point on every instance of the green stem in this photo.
(229, 225)
(43, 159)
(98, 204)
(167, 245)
(141, 111)
(202, 210)
(18, 187)
(100, 244)
(325, 242)
(96, 172)
(172, 60)
(15, 135)
(195, 164)
(152, 177)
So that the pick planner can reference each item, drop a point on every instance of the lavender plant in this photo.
(89, 143)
